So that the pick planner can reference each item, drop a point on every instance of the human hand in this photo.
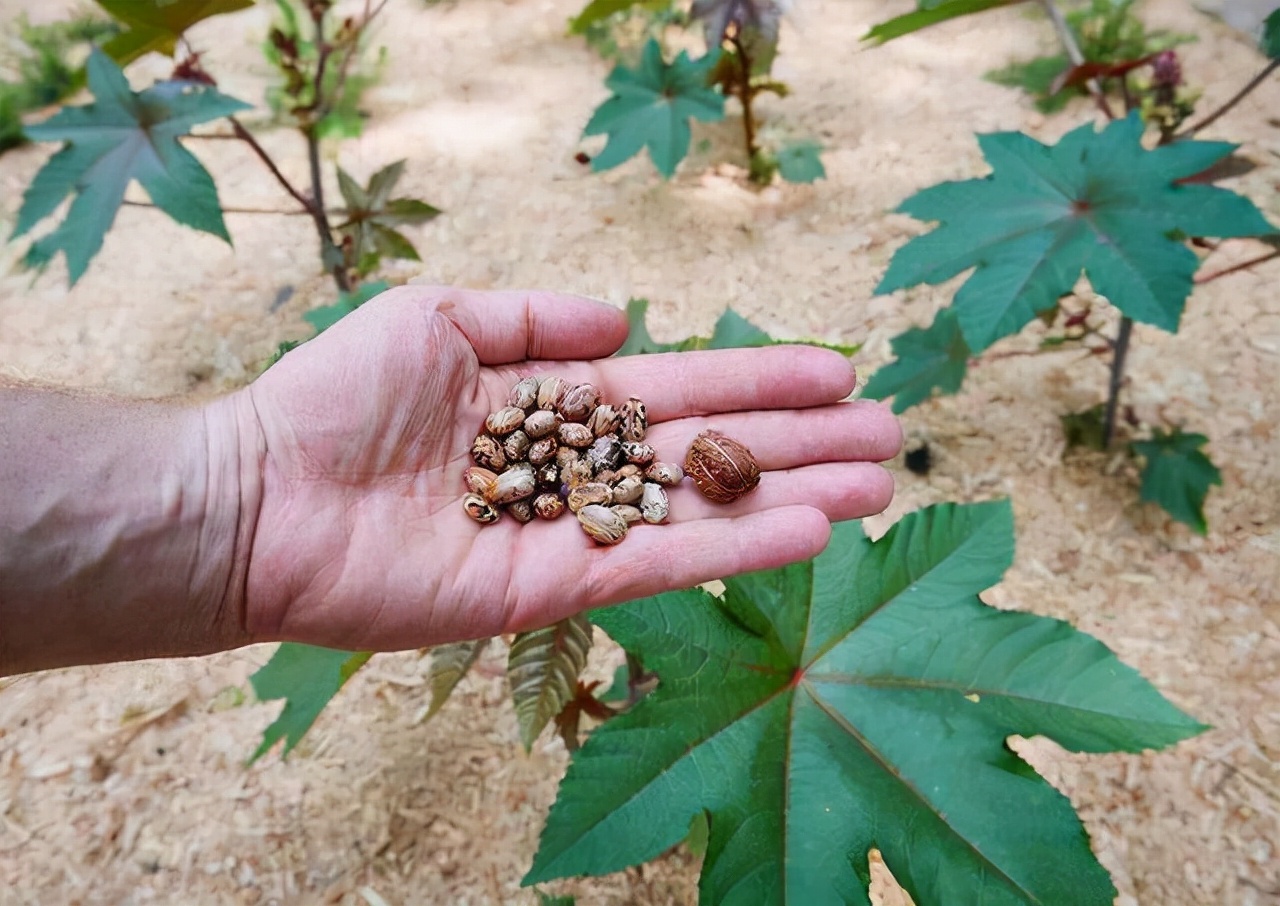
(359, 538)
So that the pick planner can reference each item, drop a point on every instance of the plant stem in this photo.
(330, 256)
(1235, 268)
(246, 136)
(1236, 99)
(1119, 351)
(1075, 55)
(744, 95)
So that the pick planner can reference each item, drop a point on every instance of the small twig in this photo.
(330, 256)
(1119, 351)
(246, 136)
(1075, 55)
(1235, 268)
(744, 89)
(1236, 99)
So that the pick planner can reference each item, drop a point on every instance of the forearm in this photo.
(122, 528)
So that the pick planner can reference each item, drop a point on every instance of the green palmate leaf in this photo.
(449, 664)
(860, 700)
(326, 316)
(543, 669)
(1271, 35)
(598, 11)
(156, 25)
(930, 14)
(121, 137)
(928, 359)
(372, 215)
(1037, 77)
(306, 677)
(732, 331)
(651, 107)
(1096, 202)
(1177, 475)
(801, 162)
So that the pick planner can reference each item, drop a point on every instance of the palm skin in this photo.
(361, 541)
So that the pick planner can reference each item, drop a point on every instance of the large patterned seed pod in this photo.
(505, 420)
(723, 469)
(635, 420)
(541, 423)
(478, 480)
(602, 524)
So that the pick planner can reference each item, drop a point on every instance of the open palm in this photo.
(361, 541)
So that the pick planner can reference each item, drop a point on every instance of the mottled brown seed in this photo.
(479, 509)
(505, 420)
(654, 504)
(631, 514)
(604, 420)
(524, 394)
(602, 524)
(478, 479)
(548, 506)
(542, 451)
(515, 445)
(576, 473)
(487, 452)
(566, 455)
(628, 470)
(549, 476)
(722, 468)
(551, 392)
(514, 484)
(637, 453)
(605, 453)
(575, 435)
(541, 423)
(665, 473)
(635, 420)
(628, 490)
(588, 493)
(579, 401)
(521, 510)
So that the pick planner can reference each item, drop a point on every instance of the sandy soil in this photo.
(126, 784)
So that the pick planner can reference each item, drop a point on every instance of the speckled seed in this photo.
(664, 473)
(654, 504)
(605, 453)
(635, 420)
(604, 420)
(579, 402)
(602, 524)
(515, 445)
(575, 435)
(542, 451)
(524, 394)
(548, 506)
(628, 512)
(628, 490)
(589, 492)
(637, 453)
(551, 391)
(576, 473)
(505, 420)
(514, 484)
(540, 424)
(479, 509)
(487, 452)
(478, 479)
(521, 510)
(566, 455)
(627, 470)
(548, 475)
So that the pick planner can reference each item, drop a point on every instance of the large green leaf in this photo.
(930, 14)
(156, 25)
(449, 664)
(1177, 475)
(371, 217)
(860, 700)
(928, 359)
(543, 668)
(306, 677)
(651, 107)
(122, 136)
(1097, 202)
(732, 331)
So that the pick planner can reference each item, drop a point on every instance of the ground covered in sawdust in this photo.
(127, 783)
